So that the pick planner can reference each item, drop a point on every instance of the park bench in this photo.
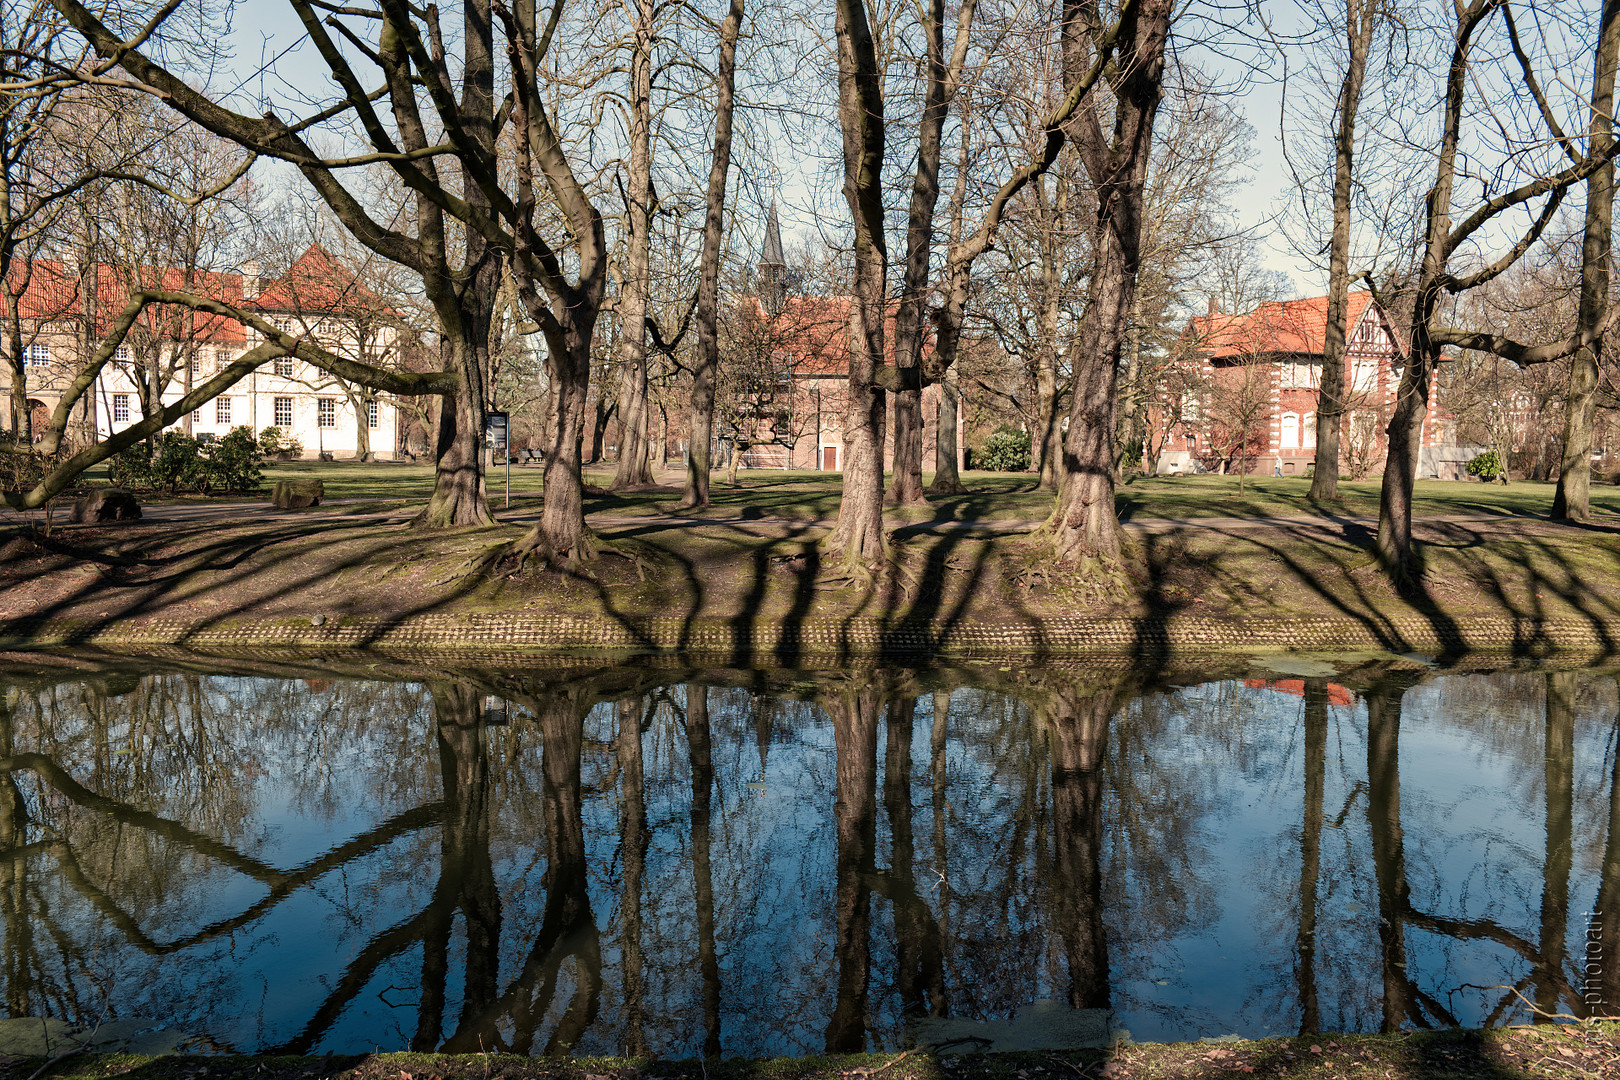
(527, 457)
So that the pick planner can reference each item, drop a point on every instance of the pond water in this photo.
(645, 859)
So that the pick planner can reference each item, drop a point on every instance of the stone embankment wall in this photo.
(830, 637)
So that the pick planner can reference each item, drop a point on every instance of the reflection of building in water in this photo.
(376, 863)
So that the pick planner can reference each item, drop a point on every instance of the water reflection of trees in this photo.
(634, 861)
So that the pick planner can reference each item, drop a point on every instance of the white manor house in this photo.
(317, 296)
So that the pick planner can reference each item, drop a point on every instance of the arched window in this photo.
(1290, 429)
(1308, 425)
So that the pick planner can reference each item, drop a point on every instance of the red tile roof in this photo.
(813, 331)
(1276, 326)
(52, 291)
(316, 282)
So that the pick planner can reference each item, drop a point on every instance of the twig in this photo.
(886, 1065)
(1552, 1015)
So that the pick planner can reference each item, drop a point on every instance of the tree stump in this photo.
(297, 494)
(106, 504)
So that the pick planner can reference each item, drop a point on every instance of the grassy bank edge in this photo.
(1579, 1050)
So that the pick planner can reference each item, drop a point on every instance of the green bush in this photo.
(1486, 466)
(273, 441)
(179, 463)
(1007, 450)
(233, 462)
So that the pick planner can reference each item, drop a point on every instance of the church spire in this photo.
(773, 263)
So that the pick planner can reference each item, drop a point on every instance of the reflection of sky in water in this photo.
(1200, 862)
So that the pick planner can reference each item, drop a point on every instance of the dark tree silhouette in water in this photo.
(854, 711)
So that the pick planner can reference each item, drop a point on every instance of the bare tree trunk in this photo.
(560, 534)
(1360, 18)
(1394, 544)
(911, 316)
(858, 537)
(633, 471)
(1049, 428)
(947, 479)
(467, 313)
(1084, 523)
(458, 485)
(1570, 501)
(22, 423)
(700, 437)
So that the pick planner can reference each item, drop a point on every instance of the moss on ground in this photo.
(1516, 1053)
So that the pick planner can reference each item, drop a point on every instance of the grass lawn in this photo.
(808, 495)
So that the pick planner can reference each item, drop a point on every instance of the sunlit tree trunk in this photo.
(633, 471)
(858, 537)
(701, 434)
(947, 477)
(1571, 499)
(1084, 523)
(1360, 18)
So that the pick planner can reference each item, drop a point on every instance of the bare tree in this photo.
(1083, 523)
(1571, 500)
(700, 433)
(1443, 239)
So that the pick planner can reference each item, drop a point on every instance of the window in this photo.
(192, 363)
(1365, 377)
(1308, 423)
(1301, 376)
(37, 355)
(120, 408)
(373, 413)
(121, 353)
(326, 412)
(284, 366)
(222, 359)
(283, 412)
(196, 416)
(222, 411)
(1290, 429)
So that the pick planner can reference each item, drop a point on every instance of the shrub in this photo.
(1486, 466)
(180, 463)
(232, 463)
(1006, 450)
(273, 441)
(21, 467)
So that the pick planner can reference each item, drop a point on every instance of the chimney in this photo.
(250, 279)
(1214, 306)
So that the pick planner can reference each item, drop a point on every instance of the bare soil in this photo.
(1517, 1053)
(759, 567)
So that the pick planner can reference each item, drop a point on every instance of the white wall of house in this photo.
(319, 414)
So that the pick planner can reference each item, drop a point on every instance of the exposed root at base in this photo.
(578, 561)
(1082, 579)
